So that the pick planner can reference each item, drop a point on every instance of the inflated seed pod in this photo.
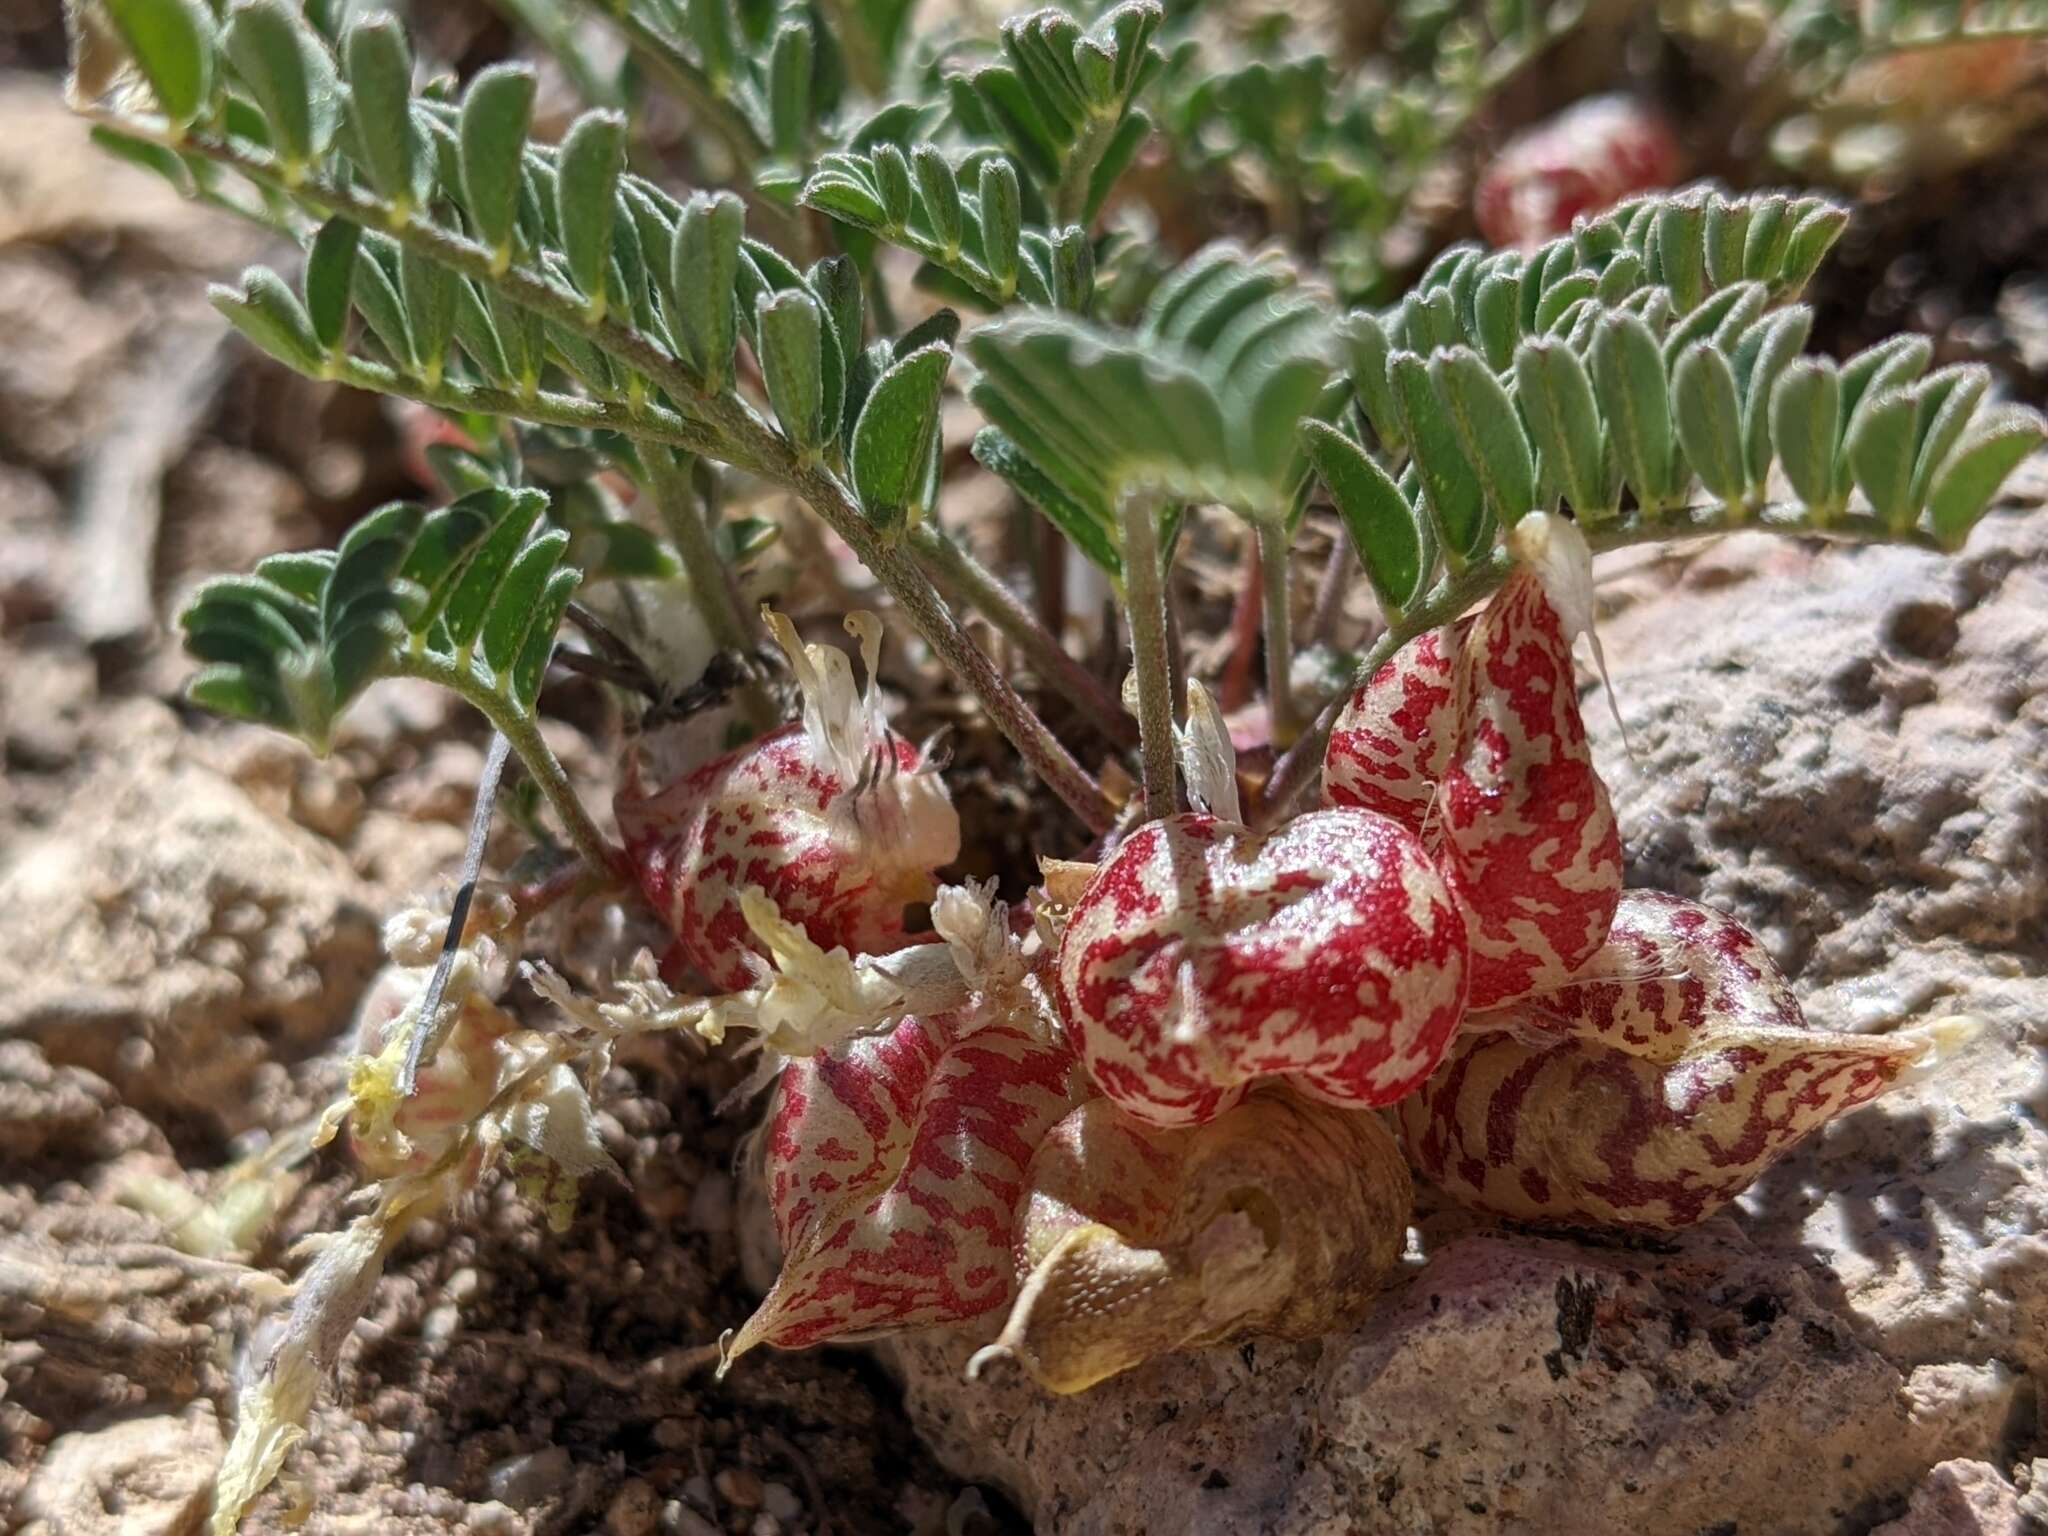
(1649, 1092)
(1281, 1217)
(1584, 160)
(1528, 839)
(1392, 742)
(836, 819)
(894, 1172)
(1202, 958)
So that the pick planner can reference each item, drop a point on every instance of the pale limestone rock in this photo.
(168, 936)
(1963, 1498)
(150, 1476)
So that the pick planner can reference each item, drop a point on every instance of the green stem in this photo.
(734, 434)
(1151, 659)
(1278, 616)
(710, 582)
(649, 422)
(710, 578)
(681, 74)
(1457, 591)
(1070, 200)
(523, 732)
(863, 63)
(952, 567)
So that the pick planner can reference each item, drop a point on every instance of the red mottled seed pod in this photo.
(1528, 838)
(1201, 959)
(1584, 160)
(895, 1170)
(1392, 742)
(1650, 1091)
(838, 820)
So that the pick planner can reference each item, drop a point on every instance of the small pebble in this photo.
(633, 1509)
(526, 1479)
(697, 1494)
(440, 1324)
(678, 1519)
(781, 1501)
(738, 1486)
(462, 1286)
(765, 1524)
(672, 1434)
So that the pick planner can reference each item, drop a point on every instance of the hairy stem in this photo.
(863, 62)
(735, 435)
(648, 422)
(710, 578)
(1277, 612)
(1151, 659)
(710, 582)
(1070, 199)
(523, 732)
(1456, 591)
(952, 567)
(679, 72)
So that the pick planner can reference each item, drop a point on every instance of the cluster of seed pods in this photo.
(1167, 1134)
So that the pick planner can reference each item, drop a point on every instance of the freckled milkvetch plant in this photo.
(1145, 1112)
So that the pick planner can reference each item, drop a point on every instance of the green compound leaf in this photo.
(1806, 427)
(1709, 418)
(496, 115)
(173, 43)
(1488, 430)
(896, 433)
(1970, 476)
(1394, 544)
(791, 329)
(290, 73)
(592, 155)
(388, 140)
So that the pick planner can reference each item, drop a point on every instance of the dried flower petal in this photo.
(839, 821)
(894, 1173)
(1202, 959)
(1279, 1217)
(1651, 1090)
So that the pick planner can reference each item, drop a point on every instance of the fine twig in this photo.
(432, 1028)
(953, 567)
(120, 485)
(1277, 610)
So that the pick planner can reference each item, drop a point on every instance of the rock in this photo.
(1842, 747)
(523, 1481)
(1961, 1498)
(135, 1477)
(59, 1113)
(166, 935)
(633, 1509)
(1511, 1383)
